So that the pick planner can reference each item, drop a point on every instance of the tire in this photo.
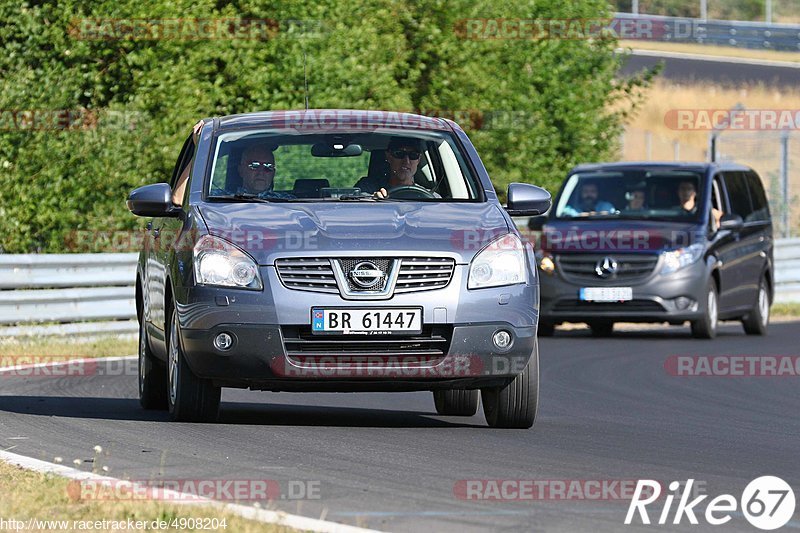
(757, 320)
(190, 399)
(152, 375)
(546, 329)
(457, 402)
(515, 405)
(601, 328)
(706, 327)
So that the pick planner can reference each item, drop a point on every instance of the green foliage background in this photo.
(379, 54)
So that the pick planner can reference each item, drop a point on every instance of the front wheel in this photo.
(515, 405)
(706, 327)
(757, 320)
(190, 398)
(457, 402)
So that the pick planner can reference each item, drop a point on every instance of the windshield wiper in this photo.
(248, 197)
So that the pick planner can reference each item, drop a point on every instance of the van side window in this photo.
(758, 198)
(738, 195)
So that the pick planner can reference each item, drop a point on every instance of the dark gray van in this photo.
(657, 242)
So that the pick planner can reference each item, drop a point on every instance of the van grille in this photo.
(630, 267)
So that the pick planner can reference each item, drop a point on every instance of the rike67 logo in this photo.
(767, 502)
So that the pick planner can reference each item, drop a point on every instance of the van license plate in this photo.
(354, 321)
(606, 294)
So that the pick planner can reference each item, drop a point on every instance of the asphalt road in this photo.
(724, 71)
(609, 411)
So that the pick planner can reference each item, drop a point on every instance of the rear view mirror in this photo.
(731, 222)
(153, 201)
(323, 149)
(527, 200)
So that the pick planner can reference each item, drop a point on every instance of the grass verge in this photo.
(69, 347)
(27, 495)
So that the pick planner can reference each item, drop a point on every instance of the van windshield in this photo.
(632, 194)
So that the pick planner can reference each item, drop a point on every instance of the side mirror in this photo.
(527, 200)
(731, 222)
(153, 201)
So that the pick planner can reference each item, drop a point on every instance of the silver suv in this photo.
(333, 250)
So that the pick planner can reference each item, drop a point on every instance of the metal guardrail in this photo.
(740, 34)
(787, 270)
(94, 293)
(87, 289)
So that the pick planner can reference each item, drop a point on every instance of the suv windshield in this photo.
(284, 165)
(632, 194)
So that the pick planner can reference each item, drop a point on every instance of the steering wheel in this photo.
(409, 192)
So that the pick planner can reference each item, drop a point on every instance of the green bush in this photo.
(540, 106)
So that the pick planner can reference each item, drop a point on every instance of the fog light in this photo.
(223, 341)
(502, 339)
(682, 302)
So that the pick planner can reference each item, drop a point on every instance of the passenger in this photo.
(257, 169)
(637, 198)
(687, 196)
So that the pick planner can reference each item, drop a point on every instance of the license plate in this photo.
(606, 294)
(354, 321)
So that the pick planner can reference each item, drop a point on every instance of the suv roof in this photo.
(331, 119)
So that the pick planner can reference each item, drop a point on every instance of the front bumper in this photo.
(259, 359)
(673, 298)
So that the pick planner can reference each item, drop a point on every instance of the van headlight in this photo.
(501, 262)
(218, 262)
(675, 260)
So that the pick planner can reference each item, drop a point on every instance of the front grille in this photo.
(316, 274)
(349, 263)
(307, 274)
(631, 306)
(424, 273)
(630, 267)
(433, 343)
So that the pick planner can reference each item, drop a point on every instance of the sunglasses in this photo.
(400, 154)
(255, 165)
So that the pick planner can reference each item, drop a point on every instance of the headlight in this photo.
(501, 262)
(218, 262)
(675, 260)
(546, 263)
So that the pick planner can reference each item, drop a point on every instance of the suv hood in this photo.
(620, 236)
(268, 232)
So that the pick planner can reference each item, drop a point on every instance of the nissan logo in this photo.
(606, 267)
(366, 274)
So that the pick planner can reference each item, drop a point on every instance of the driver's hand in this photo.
(381, 193)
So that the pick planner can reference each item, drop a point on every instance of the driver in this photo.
(403, 155)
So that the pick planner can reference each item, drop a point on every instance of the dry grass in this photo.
(30, 495)
(712, 50)
(757, 149)
(105, 346)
